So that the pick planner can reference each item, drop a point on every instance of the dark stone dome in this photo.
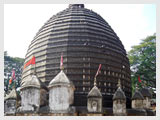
(137, 96)
(119, 95)
(145, 92)
(86, 40)
(94, 92)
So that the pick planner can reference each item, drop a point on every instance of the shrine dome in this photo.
(86, 40)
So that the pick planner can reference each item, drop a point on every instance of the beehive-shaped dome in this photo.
(86, 40)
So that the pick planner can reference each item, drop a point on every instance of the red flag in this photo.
(13, 74)
(98, 70)
(139, 79)
(31, 61)
(12, 77)
(10, 81)
(61, 63)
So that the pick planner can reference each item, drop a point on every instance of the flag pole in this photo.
(61, 62)
(34, 72)
(34, 68)
(14, 86)
(95, 81)
(14, 80)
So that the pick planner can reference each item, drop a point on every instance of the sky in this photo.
(131, 22)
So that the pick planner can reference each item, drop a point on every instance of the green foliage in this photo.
(18, 60)
(143, 62)
(12, 59)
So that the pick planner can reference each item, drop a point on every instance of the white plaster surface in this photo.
(59, 98)
(137, 104)
(119, 107)
(30, 99)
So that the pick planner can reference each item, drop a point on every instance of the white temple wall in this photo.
(119, 107)
(59, 98)
(137, 104)
(30, 99)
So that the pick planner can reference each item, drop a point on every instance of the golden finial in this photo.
(95, 81)
(61, 62)
(119, 83)
(144, 83)
(136, 89)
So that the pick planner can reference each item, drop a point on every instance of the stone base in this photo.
(70, 110)
(94, 114)
(9, 114)
(62, 114)
(44, 111)
(29, 109)
(136, 112)
(150, 112)
(120, 114)
(27, 114)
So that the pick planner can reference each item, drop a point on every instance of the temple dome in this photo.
(86, 40)
(119, 95)
(145, 92)
(11, 95)
(32, 81)
(61, 78)
(137, 95)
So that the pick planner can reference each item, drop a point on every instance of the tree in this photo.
(142, 59)
(5, 53)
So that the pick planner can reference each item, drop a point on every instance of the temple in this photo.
(86, 40)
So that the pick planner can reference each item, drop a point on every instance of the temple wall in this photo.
(30, 99)
(119, 107)
(137, 103)
(59, 98)
(146, 102)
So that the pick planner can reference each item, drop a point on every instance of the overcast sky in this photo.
(131, 22)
